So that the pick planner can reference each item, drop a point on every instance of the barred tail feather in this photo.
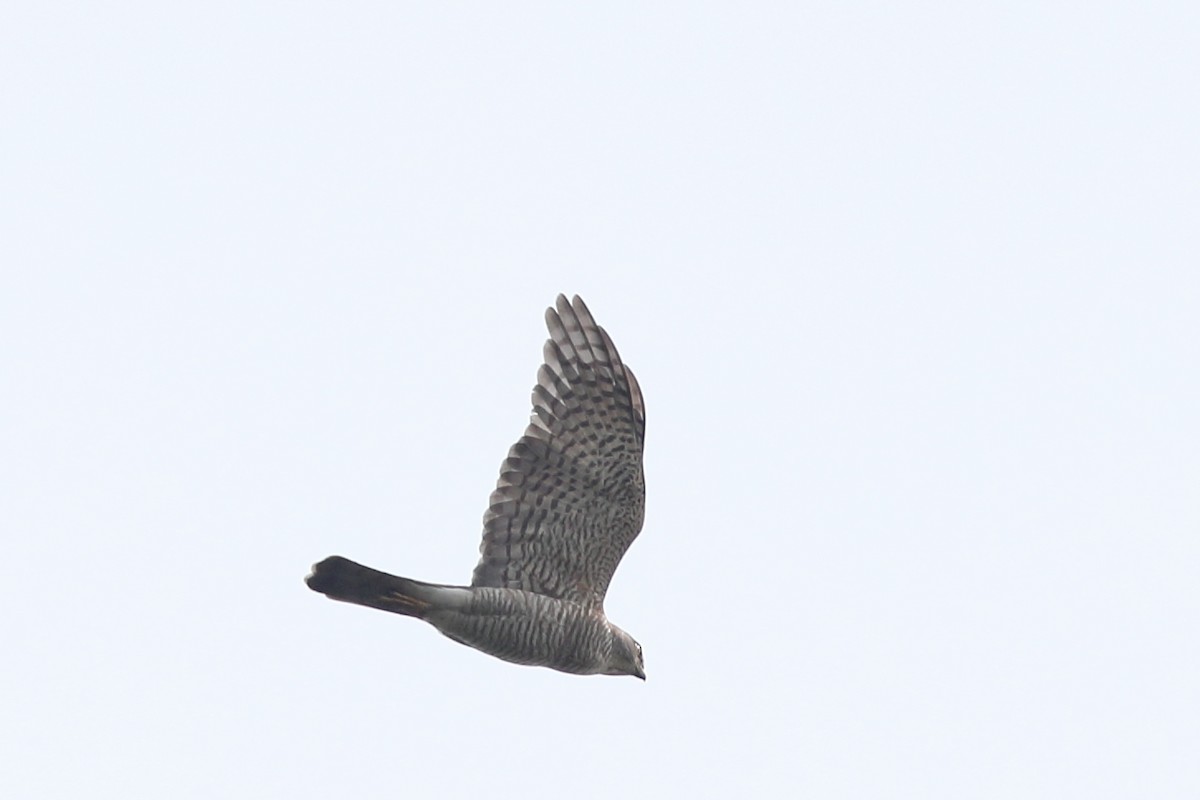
(342, 579)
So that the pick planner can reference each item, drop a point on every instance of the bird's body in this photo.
(568, 504)
(527, 628)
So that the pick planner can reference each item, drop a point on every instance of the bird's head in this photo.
(626, 658)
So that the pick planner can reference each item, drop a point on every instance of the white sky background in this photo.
(912, 291)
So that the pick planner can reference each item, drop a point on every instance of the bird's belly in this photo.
(528, 629)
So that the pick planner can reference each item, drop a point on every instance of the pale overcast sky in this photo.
(912, 291)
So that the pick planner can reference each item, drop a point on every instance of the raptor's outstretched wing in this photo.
(571, 494)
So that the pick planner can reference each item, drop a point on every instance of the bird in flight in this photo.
(568, 504)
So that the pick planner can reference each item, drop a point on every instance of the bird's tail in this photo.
(341, 579)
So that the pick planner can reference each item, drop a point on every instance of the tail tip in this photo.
(324, 573)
